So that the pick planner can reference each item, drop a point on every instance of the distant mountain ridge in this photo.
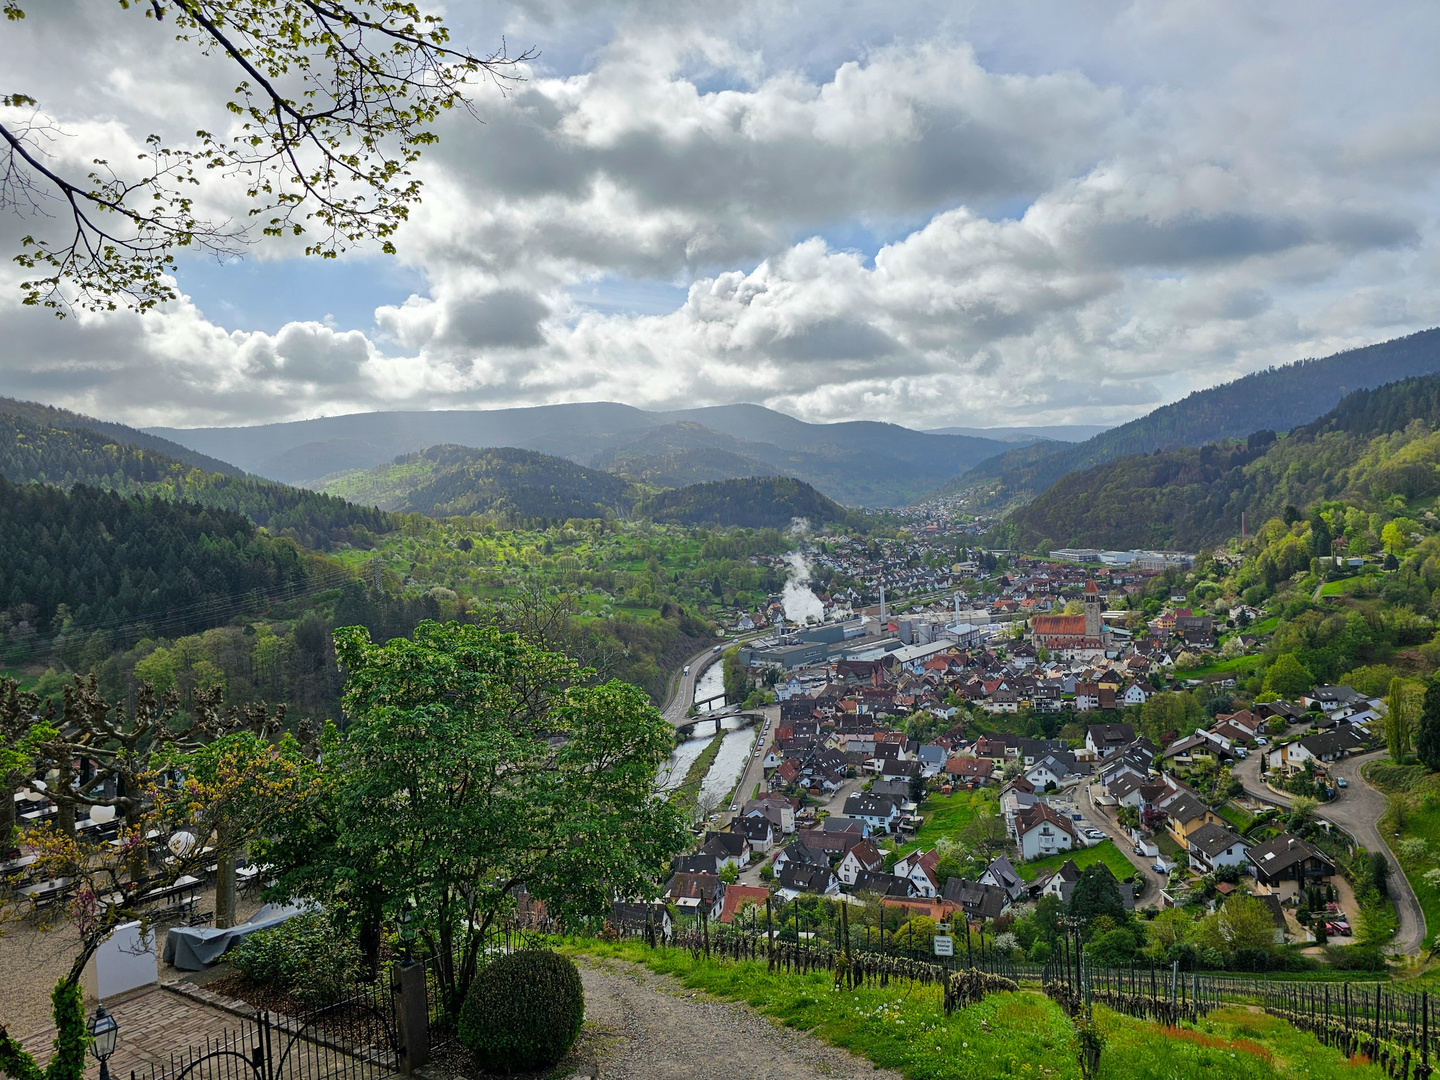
(1375, 445)
(856, 462)
(1277, 399)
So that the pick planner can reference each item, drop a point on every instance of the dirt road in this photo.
(643, 1026)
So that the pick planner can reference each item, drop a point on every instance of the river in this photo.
(734, 751)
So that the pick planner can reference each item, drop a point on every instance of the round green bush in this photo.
(523, 1011)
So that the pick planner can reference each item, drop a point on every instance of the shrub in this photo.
(306, 957)
(1355, 957)
(1251, 960)
(523, 1011)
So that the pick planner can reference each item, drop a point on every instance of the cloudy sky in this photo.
(932, 214)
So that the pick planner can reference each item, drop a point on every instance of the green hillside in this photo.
(1278, 399)
(1378, 449)
(32, 450)
(48, 416)
(756, 503)
(521, 485)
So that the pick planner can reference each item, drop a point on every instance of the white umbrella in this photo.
(101, 814)
(182, 843)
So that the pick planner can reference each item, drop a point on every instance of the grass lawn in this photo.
(1266, 626)
(1236, 665)
(946, 815)
(1420, 792)
(1106, 851)
(1021, 1035)
(1166, 843)
(1235, 816)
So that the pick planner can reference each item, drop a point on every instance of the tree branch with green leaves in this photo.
(336, 102)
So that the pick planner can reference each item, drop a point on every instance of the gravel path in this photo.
(649, 1027)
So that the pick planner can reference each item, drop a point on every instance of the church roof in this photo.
(1059, 625)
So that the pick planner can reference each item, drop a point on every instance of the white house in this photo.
(863, 857)
(919, 869)
(1040, 832)
(1213, 846)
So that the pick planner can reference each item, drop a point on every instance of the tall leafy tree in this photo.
(1427, 739)
(472, 763)
(1097, 893)
(1403, 705)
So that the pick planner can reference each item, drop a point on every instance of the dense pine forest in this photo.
(33, 451)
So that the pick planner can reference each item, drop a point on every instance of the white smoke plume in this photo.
(800, 603)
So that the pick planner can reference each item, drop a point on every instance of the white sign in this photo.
(944, 945)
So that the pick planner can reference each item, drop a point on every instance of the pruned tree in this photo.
(120, 752)
(335, 102)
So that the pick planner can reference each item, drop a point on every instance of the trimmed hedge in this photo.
(523, 1011)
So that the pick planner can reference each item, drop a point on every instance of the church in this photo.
(1075, 637)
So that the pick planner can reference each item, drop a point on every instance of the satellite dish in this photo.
(102, 814)
(181, 844)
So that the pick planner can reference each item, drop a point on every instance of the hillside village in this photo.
(1103, 770)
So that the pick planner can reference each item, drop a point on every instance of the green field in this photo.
(1021, 1035)
(1120, 864)
(946, 815)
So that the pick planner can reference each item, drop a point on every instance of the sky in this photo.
(926, 213)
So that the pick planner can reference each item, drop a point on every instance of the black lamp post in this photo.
(104, 1032)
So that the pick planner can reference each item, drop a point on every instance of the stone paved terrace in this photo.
(154, 1023)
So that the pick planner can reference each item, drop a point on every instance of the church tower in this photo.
(1093, 604)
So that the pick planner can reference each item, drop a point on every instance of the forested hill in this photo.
(519, 485)
(104, 560)
(755, 503)
(1277, 399)
(48, 416)
(1377, 449)
(32, 450)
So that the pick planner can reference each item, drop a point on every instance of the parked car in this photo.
(1139, 851)
(1260, 740)
(1340, 781)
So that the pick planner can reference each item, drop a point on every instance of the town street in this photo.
(1358, 811)
(1110, 827)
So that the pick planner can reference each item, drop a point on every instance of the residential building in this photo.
(1213, 846)
(1286, 864)
(864, 857)
(1041, 832)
